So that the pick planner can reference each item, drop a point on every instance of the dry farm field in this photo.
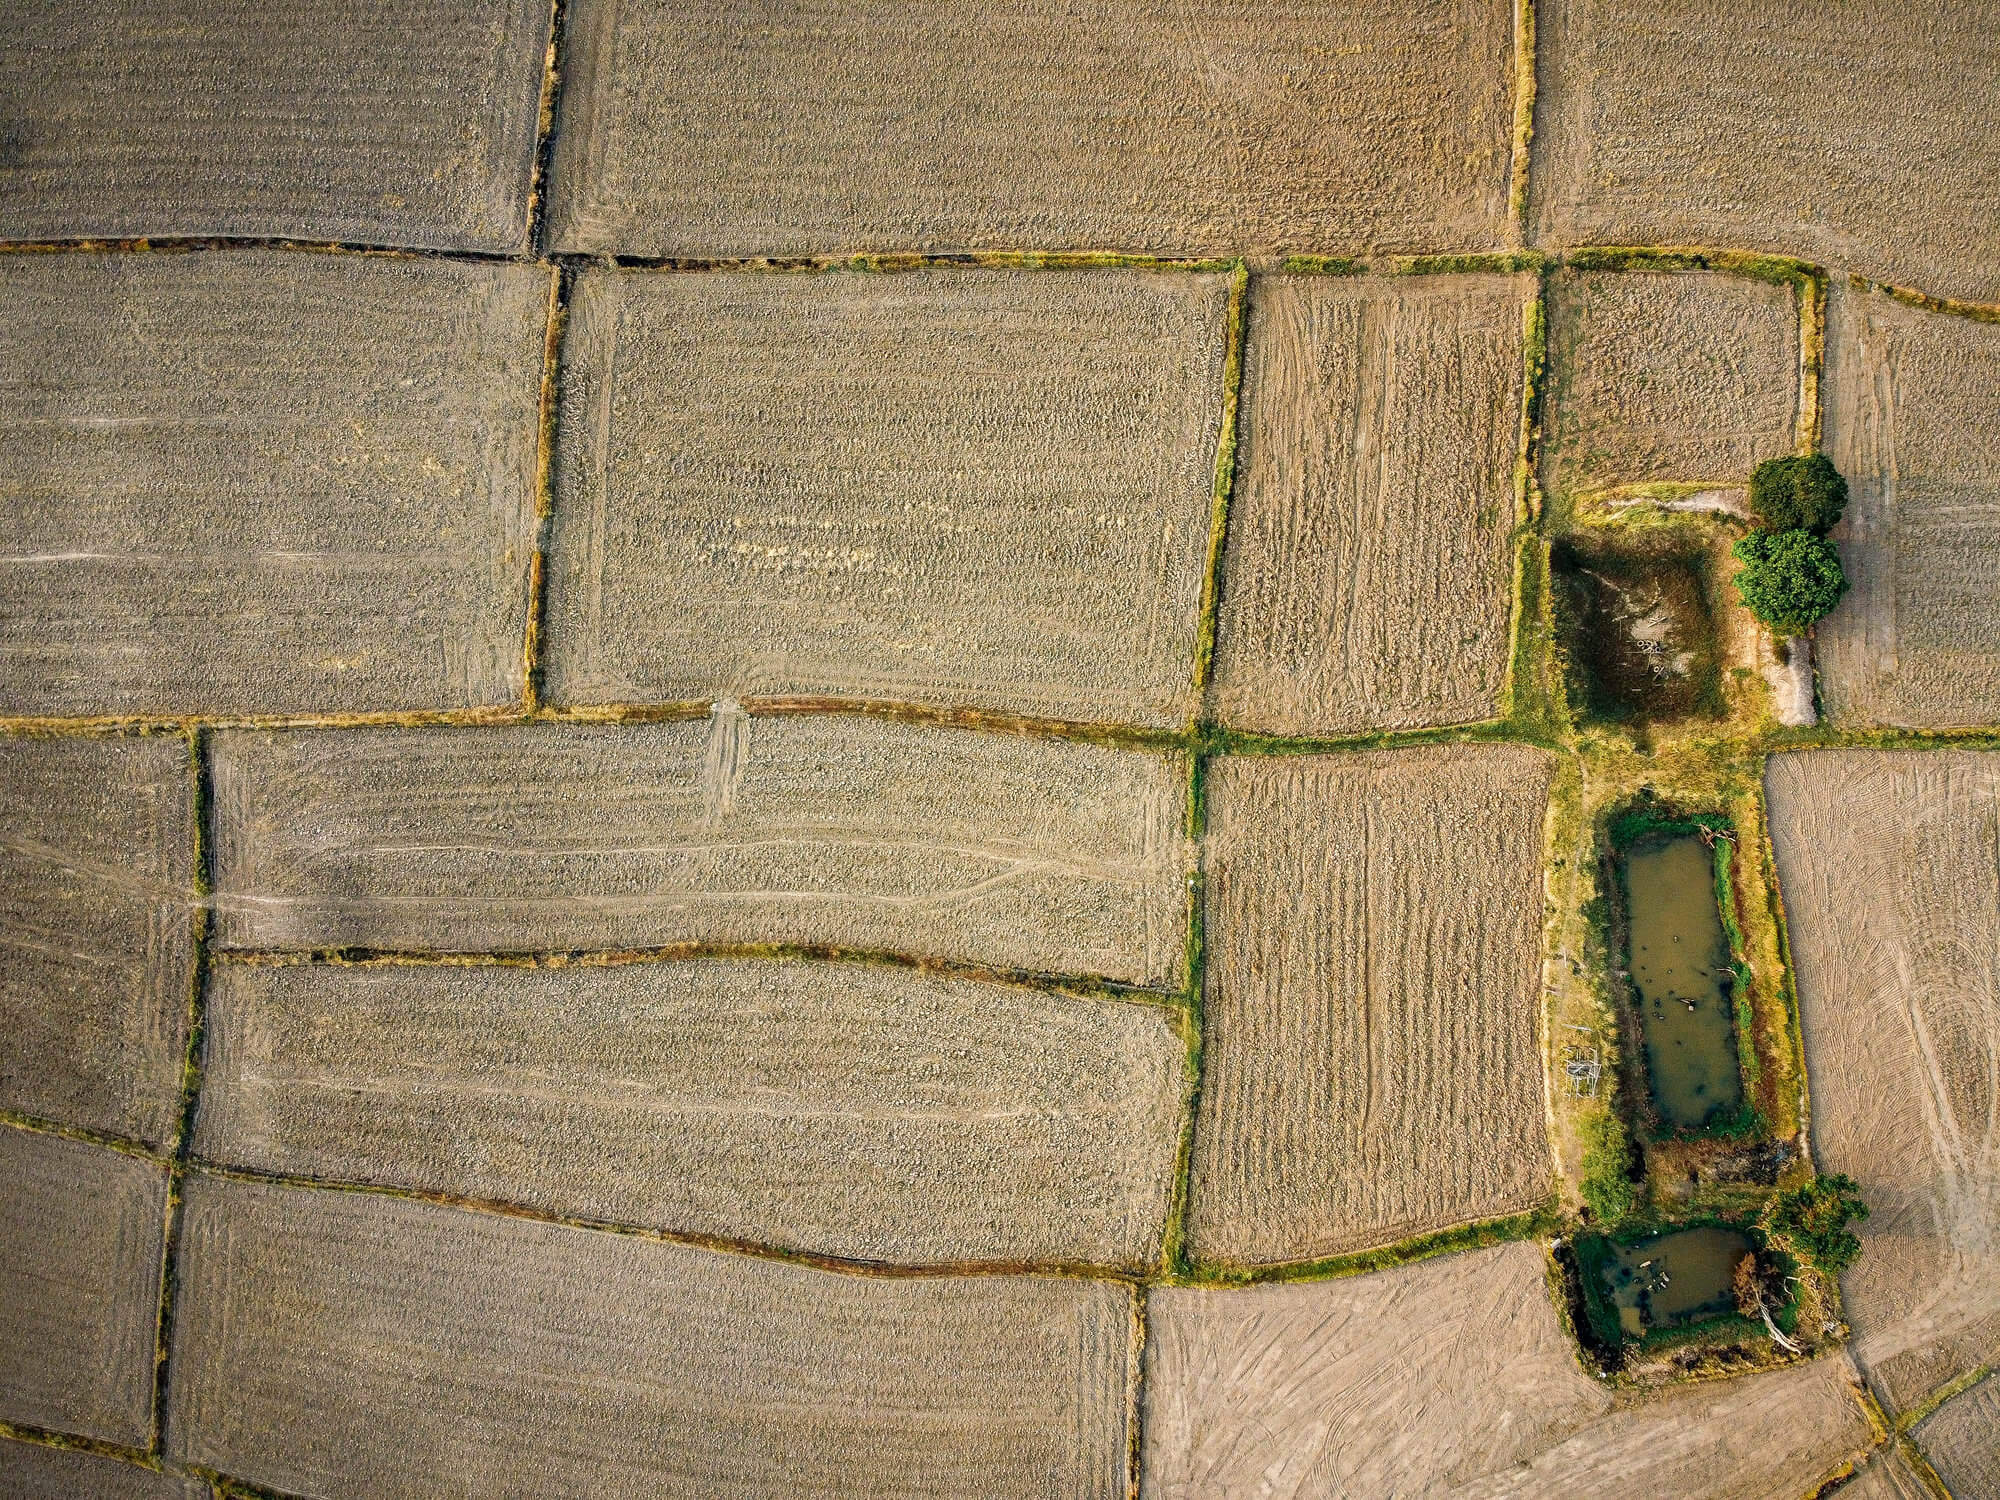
(1961, 1440)
(35, 1471)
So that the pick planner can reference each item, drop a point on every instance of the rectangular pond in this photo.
(1679, 963)
(1671, 1280)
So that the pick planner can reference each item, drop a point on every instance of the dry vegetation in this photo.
(1371, 1069)
(96, 931)
(347, 1343)
(851, 1110)
(1961, 1439)
(266, 482)
(1913, 421)
(950, 487)
(1368, 578)
(1887, 861)
(729, 129)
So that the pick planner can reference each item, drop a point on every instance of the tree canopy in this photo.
(1790, 579)
(1798, 494)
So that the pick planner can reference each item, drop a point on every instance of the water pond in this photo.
(1679, 962)
(1671, 1280)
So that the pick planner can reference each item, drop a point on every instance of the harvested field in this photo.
(476, 1349)
(1764, 127)
(33, 1471)
(1667, 377)
(1962, 1441)
(1400, 1383)
(1885, 1477)
(950, 487)
(80, 1235)
(1888, 867)
(846, 1109)
(1368, 577)
(1140, 126)
(130, 118)
(1371, 1068)
(96, 929)
(265, 482)
(825, 829)
(1913, 421)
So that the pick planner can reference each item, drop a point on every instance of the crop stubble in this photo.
(963, 488)
(826, 829)
(1962, 1441)
(1887, 861)
(38, 1471)
(843, 1109)
(474, 1350)
(1367, 577)
(1913, 421)
(265, 482)
(1371, 1068)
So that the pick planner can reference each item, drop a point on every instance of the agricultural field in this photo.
(1961, 1440)
(38, 1472)
(1368, 577)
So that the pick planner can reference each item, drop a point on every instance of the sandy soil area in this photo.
(954, 487)
(310, 120)
(475, 1351)
(1367, 579)
(1962, 1441)
(80, 1236)
(35, 1472)
(856, 832)
(1913, 421)
(1371, 1069)
(266, 482)
(96, 931)
(733, 129)
(1886, 862)
(1764, 127)
(847, 1109)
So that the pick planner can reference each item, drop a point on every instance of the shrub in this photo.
(1815, 1218)
(1790, 578)
(1798, 494)
(1607, 1168)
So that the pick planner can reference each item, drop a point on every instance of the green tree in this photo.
(1790, 579)
(1815, 1219)
(1798, 494)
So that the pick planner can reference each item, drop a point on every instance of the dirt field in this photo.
(1368, 579)
(33, 1472)
(96, 931)
(476, 1350)
(1667, 377)
(1962, 1441)
(1913, 421)
(861, 833)
(1885, 1477)
(1371, 1068)
(847, 1109)
(80, 1235)
(734, 130)
(1886, 861)
(953, 487)
(265, 482)
(421, 133)
(1764, 128)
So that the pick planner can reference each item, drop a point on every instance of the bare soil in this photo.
(1913, 421)
(964, 488)
(730, 129)
(1371, 1068)
(1885, 1477)
(1962, 1441)
(1048, 855)
(1886, 862)
(36, 1471)
(1367, 580)
(474, 1350)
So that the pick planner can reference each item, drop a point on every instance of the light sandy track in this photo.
(820, 829)
(1913, 420)
(1371, 1069)
(1962, 1441)
(1887, 862)
(1367, 578)
(358, 1345)
(31, 1471)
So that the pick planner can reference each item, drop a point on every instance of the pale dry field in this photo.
(1913, 421)
(731, 129)
(1367, 580)
(976, 488)
(80, 1239)
(1856, 135)
(1885, 1477)
(96, 931)
(1887, 863)
(265, 482)
(1667, 377)
(1371, 1069)
(847, 1109)
(31, 1471)
(478, 1353)
(825, 829)
(1962, 1441)
(131, 118)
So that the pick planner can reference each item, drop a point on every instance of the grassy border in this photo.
(1224, 484)
(1526, 83)
(1537, 1223)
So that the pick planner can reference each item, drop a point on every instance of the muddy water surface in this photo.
(1680, 970)
(1674, 1279)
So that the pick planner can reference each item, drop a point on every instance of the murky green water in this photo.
(1674, 1279)
(1680, 970)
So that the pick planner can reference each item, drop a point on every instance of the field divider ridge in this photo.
(1226, 448)
(560, 286)
(545, 129)
(1540, 1222)
(1526, 84)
